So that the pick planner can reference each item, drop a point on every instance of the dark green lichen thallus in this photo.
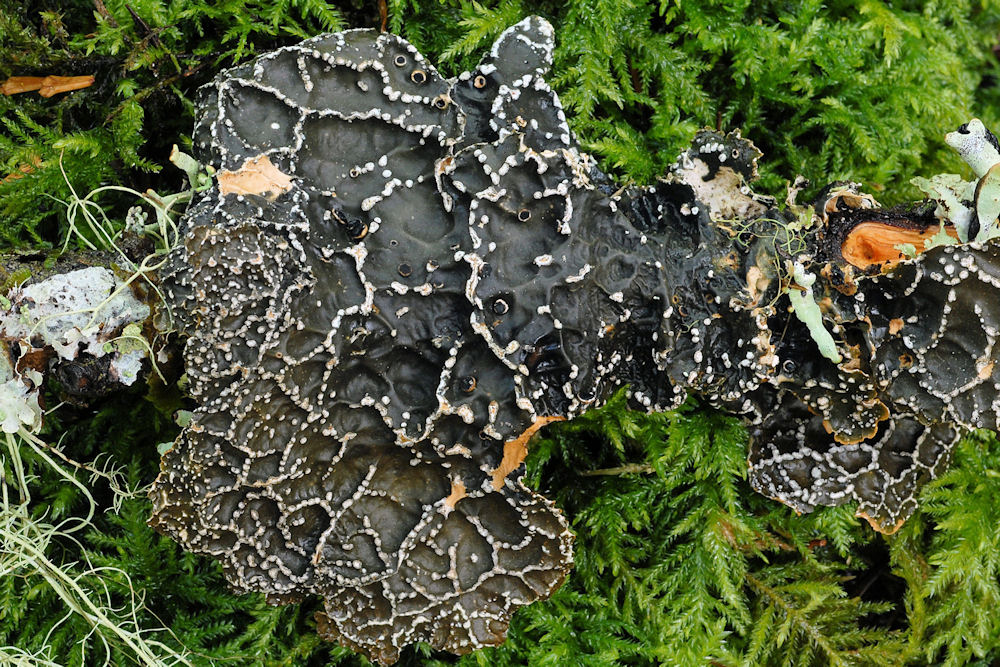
(350, 437)
(397, 277)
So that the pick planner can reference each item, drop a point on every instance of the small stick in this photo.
(53, 85)
(21, 84)
(639, 468)
(46, 86)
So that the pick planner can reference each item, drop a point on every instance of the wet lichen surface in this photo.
(397, 277)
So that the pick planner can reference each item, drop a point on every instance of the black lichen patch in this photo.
(350, 417)
(564, 284)
(448, 271)
(797, 462)
(935, 323)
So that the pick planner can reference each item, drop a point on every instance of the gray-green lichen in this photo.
(807, 310)
(971, 207)
(53, 323)
(72, 312)
(19, 406)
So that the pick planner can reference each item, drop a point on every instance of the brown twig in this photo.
(47, 86)
(627, 469)
(21, 84)
(105, 14)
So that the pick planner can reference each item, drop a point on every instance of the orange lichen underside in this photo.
(860, 435)
(876, 243)
(514, 451)
(257, 176)
(457, 493)
(887, 529)
(884, 529)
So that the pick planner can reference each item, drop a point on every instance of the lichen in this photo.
(345, 399)
(431, 269)
(807, 310)
(50, 325)
(19, 406)
(971, 207)
(72, 311)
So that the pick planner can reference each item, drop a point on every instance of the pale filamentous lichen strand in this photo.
(432, 269)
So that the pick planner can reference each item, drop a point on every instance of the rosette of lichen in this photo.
(356, 437)
(396, 278)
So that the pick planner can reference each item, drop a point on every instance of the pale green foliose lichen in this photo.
(976, 145)
(988, 204)
(972, 207)
(199, 175)
(942, 237)
(952, 193)
(19, 407)
(807, 310)
(70, 311)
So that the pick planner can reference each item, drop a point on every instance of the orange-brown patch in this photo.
(895, 325)
(874, 523)
(757, 284)
(860, 436)
(855, 200)
(457, 493)
(47, 86)
(257, 176)
(36, 359)
(853, 362)
(514, 451)
(22, 169)
(875, 243)
(986, 371)
(730, 261)
(444, 164)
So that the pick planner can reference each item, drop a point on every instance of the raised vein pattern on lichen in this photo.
(398, 277)
(351, 418)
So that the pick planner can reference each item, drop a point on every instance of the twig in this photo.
(627, 469)
(47, 86)
(105, 14)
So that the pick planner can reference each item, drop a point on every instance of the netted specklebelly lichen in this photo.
(396, 278)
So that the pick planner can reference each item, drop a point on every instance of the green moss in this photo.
(678, 560)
